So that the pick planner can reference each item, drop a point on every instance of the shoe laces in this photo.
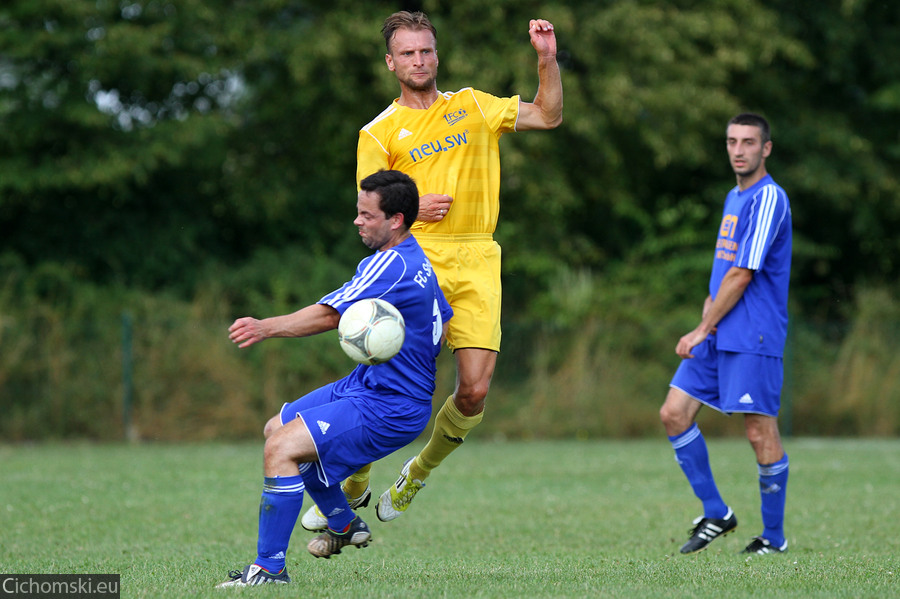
(409, 491)
(699, 523)
(702, 522)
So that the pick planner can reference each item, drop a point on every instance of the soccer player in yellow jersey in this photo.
(448, 143)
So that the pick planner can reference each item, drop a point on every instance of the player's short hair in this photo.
(414, 21)
(754, 120)
(397, 192)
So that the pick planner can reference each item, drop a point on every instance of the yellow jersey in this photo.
(451, 148)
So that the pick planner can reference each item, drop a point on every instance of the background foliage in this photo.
(185, 163)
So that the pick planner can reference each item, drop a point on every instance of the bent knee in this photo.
(273, 449)
(763, 432)
(470, 400)
(272, 425)
(671, 417)
(676, 415)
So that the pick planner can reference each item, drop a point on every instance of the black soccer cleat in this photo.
(761, 546)
(253, 575)
(330, 542)
(706, 530)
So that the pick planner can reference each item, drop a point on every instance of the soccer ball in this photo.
(371, 331)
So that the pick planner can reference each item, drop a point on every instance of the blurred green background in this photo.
(166, 167)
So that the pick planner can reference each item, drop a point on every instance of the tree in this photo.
(142, 141)
(113, 134)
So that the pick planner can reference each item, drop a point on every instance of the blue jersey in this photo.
(756, 234)
(401, 275)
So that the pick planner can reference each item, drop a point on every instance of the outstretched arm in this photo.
(310, 320)
(546, 110)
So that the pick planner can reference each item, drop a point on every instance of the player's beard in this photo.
(420, 85)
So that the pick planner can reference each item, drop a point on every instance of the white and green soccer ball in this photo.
(371, 331)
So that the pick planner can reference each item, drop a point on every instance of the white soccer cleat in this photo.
(315, 521)
(396, 500)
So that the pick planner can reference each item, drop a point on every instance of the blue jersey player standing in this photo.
(733, 361)
(318, 440)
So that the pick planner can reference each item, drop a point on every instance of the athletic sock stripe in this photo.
(274, 485)
(773, 469)
(686, 438)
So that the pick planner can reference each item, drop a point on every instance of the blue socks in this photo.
(279, 508)
(692, 456)
(773, 492)
(331, 501)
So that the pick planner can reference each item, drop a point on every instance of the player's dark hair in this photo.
(753, 120)
(398, 193)
(414, 21)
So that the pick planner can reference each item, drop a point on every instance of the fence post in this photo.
(127, 378)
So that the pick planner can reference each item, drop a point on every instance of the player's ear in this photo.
(390, 61)
(767, 149)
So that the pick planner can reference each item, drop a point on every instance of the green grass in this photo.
(536, 519)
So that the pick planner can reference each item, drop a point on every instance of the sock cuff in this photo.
(775, 468)
(284, 485)
(686, 438)
(457, 418)
(361, 475)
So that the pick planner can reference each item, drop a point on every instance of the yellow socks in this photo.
(450, 429)
(357, 483)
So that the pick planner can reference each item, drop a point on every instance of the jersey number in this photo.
(438, 324)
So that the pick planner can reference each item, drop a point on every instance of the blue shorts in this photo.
(352, 431)
(731, 382)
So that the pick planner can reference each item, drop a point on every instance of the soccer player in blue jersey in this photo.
(315, 442)
(733, 360)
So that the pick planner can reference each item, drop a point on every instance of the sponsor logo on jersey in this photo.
(439, 145)
(404, 133)
(726, 248)
(729, 224)
(323, 426)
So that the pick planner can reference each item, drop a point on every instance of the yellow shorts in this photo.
(468, 271)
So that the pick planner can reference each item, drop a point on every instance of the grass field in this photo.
(537, 519)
